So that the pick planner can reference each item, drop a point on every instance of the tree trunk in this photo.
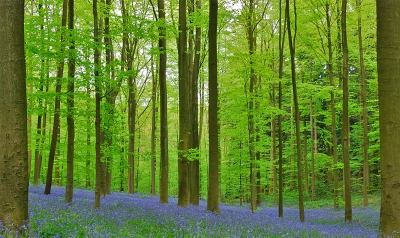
(333, 111)
(292, 147)
(137, 162)
(88, 135)
(183, 168)
(280, 136)
(250, 35)
(57, 174)
(312, 151)
(131, 47)
(345, 121)
(100, 182)
(273, 149)
(70, 106)
(195, 164)
(38, 157)
(153, 127)
(162, 44)
(388, 25)
(365, 111)
(306, 172)
(13, 121)
(56, 122)
(111, 96)
(296, 109)
(214, 149)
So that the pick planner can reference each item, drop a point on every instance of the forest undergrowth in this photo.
(139, 215)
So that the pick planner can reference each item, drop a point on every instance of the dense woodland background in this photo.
(121, 86)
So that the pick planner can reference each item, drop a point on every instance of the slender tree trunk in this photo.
(124, 59)
(57, 174)
(365, 111)
(296, 109)
(333, 111)
(195, 164)
(190, 122)
(100, 183)
(153, 127)
(162, 44)
(88, 135)
(214, 149)
(56, 122)
(131, 117)
(292, 147)
(201, 108)
(38, 158)
(43, 134)
(250, 35)
(388, 19)
(258, 175)
(111, 96)
(306, 172)
(13, 121)
(273, 156)
(39, 140)
(137, 162)
(273, 179)
(280, 136)
(122, 167)
(30, 123)
(70, 106)
(339, 60)
(345, 123)
(183, 177)
(339, 56)
(312, 151)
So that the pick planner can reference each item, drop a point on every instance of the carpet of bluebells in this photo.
(138, 215)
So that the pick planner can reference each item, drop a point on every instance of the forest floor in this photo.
(138, 215)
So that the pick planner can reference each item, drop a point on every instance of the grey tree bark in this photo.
(13, 121)
(388, 49)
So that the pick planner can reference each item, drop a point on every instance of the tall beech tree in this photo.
(153, 126)
(364, 116)
(183, 163)
(13, 122)
(388, 50)
(70, 106)
(345, 118)
(57, 103)
(251, 41)
(162, 44)
(100, 183)
(281, 43)
(332, 105)
(214, 150)
(41, 119)
(132, 104)
(113, 86)
(194, 67)
(292, 39)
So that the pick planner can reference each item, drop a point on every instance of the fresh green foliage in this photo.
(43, 54)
